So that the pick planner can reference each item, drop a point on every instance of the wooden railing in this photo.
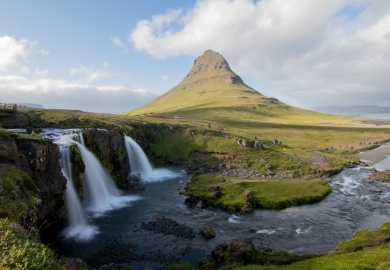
(8, 106)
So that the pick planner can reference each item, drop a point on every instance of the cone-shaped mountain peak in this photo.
(212, 90)
(212, 64)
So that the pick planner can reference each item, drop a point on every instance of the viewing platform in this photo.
(10, 117)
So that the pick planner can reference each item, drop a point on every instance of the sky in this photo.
(114, 56)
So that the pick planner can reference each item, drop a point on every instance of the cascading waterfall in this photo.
(78, 226)
(138, 161)
(101, 192)
(75, 211)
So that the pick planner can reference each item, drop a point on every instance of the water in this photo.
(100, 193)
(138, 161)
(78, 229)
(382, 116)
(315, 228)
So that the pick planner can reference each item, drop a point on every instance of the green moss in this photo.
(78, 169)
(172, 147)
(19, 192)
(19, 252)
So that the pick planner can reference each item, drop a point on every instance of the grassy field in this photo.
(366, 250)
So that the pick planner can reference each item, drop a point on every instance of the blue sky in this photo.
(112, 56)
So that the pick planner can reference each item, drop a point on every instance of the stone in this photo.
(237, 249)
(208, 232)
(248, 143)
(258, 145)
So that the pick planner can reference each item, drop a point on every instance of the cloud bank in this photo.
(61, 94)
(79, 94)
(303, 52)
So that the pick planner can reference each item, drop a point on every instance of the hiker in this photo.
(209, 126)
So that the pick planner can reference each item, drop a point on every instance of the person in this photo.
(209, 126)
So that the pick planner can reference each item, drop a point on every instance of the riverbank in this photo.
(376, 155)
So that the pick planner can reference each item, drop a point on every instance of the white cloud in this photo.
(117, 42)
(301, 51)
(89, 74)
(11, 52)
(164, 78)
(61, 94)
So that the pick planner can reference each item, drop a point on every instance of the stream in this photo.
(158, 229)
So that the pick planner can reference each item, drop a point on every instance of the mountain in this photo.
(211, 90)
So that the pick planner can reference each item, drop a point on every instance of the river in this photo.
(307, 229)
(158, 228)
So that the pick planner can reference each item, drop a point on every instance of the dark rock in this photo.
(248, 143)
(168, 226)
(249, 201)
(109, 147)
(236, 250)
(208, 232)
(45, 170)
(241, 246)
(134, 177)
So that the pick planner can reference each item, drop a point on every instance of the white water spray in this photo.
(101, 193)
(78, 226)
(139, 163)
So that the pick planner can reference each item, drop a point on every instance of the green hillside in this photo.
(211, 90)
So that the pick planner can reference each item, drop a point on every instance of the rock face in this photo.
(109, 147)
(13, 119)
(45, 170)
(211, 61)
(39, 161)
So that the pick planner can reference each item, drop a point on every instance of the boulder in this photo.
(134, 177)
(258, 145)
(248, 143)
(208, 232)
(236, 250)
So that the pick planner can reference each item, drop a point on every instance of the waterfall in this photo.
(78, 226)
(100, 192)
(73, 205)
(138, 161)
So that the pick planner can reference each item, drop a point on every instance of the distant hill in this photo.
(352, 110)
(211, 90)
(29, 105)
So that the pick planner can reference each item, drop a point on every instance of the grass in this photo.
(366, 250)
(19, 192)
(219, 191)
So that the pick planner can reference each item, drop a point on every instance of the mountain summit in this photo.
(210, 62)
(212, 90)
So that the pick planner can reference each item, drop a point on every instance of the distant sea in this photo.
(385, 116)
(382, 116)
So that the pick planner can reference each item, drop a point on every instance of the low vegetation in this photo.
(19, 252)
(19, 192)
(219, 191)
(310, 148)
